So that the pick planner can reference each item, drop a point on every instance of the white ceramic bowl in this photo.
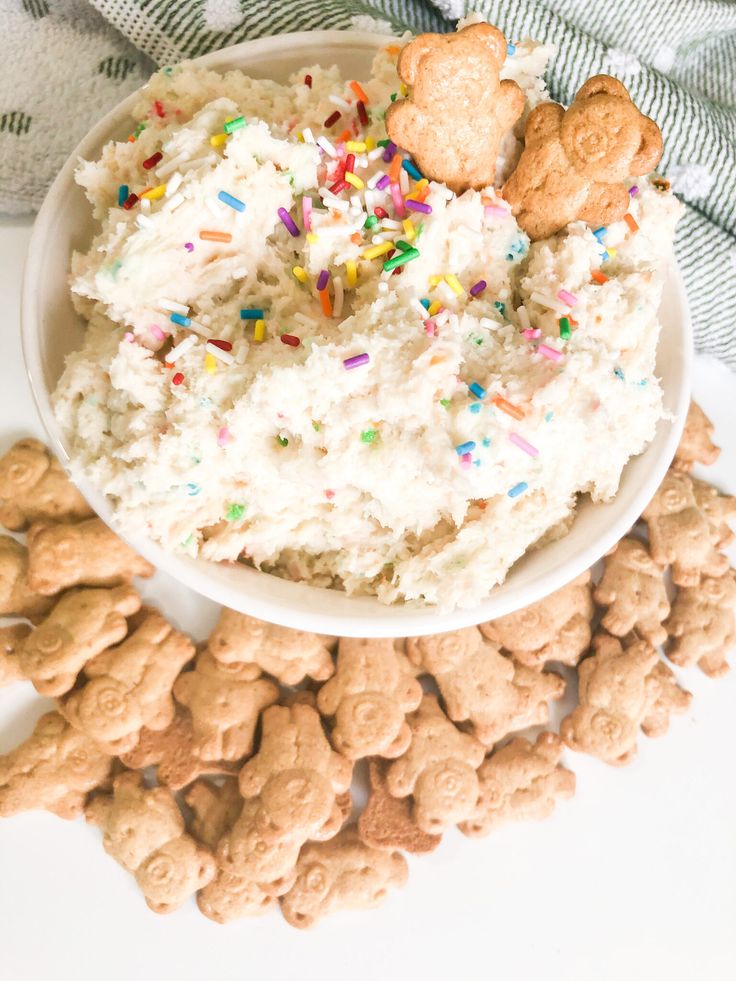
(51, 330)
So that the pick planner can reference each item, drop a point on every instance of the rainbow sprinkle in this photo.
(477, 390)
(518, 489)
(259, 331)
(288, 222)
(523, 445)
(401, 258)
(414, 205)
(454, 283)
(151, 162)
(549, 352)
(291, 339)
(251, 313)
(232, 124)
(356, 361)
(231, 201)
(565, 328)
(122, 194)
(411, 170)
(569, 298)
(462, 448)
(477, 288)
(323, 279)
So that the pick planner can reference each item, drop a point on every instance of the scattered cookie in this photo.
(288, 655)
(10, 640)
(215, 809)
(575, 162)
(171, 751)
(17, 598)
(85, 554)
(680, 534)
(719, 510)
(696, 443)
(438, 769)
(225, 702)
(702, 626)
(633, 590)
(556, 628)
(53, 770)
(458, 108)
(369, 697)
(617, 690)
(81, 625)
(672, 700)
(520, 782)
(34, 487)
(128, 687)
(340, 874)
(144, 832)
(386, 821)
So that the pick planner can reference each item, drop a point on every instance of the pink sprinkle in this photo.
(549, 352)
(398, 201)
(189, 246)
(307, 212)
(430, 328)
(569, 298)
(157, 332)
(523, 445)
(532, 332)
(329, 494)
(493, 209)
(128, 337)
(224, 436)
(466, 460)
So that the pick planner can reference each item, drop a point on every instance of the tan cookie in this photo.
(81, 625)
(144, 832)
(618, 688)
(34, 487)
(574, 164)
(289, 655)
(369, 697)
(229, 896)
(520, 782)
(633, 590)
(702, 626)
(53, 770)
(17, 598)
(215, 809)
(680, 533)
(386, 821)
(171, 750)
(554, 629)
(458, 109)
(438, 769)
(495, 694)
(10, 641)
(128, 687)
(719, 510)
(696, 445)
(85, 554)
(672, 700)
(340, 874)
(225, 703)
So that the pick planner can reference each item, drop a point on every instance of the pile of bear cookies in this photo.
(225, 770)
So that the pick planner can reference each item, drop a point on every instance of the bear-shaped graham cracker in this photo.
(701, 626)
(458, 109)
(215, 809)
(633, 590)
(34, 487)
(574, 162)
(719, 510)
(386, 821)
(696, 445)
(17, 597)
(10, 641)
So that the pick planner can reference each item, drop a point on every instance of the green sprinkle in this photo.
(282, 440)
(383, 143)
(445, 403)
(187, 541)
(479, 341)
(564, 328)
(369, 435)
(370, 221)
(402, 245)
(316, 426)
(235, 512)
(393, 96)
(139, 129)
(167, 70)
(400, 258)
(500, 307)
(420, 229)
(232, 124)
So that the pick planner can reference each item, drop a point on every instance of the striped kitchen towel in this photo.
(66, 61)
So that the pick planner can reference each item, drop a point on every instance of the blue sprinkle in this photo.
(510, 257)
(605, 256)
(122, 194)
(476, 463)
(411, 170)
(486, 441)
(463, 448)
(600, 232)
(518, 489)
(180, 319)
(228, 199)
(426, 304)
(477, 390)
(500, 307)
(251, 313)
(510, 49)
(193, 489)
(642, 383)
(548, 417)
(475, 407)
(618, 373)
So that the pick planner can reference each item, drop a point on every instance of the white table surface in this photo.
(632, 880)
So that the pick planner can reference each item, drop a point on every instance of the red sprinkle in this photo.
(130, 201)
(329, 494)
(290, 339)
(223, 345)
(332, 119)
(338, 186)
(350, 162)
(362, 113)
(177, 379)
(308, 81)
(152, 160)
(380, 212)
(159, 109)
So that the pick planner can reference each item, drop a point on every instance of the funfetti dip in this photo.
(302, 355)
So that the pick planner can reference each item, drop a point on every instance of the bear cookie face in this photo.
(458, 110)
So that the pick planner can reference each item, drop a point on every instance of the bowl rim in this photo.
(374, 619)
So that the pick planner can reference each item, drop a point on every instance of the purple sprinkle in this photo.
(384, 182)
(289, 222)
(389, 152)
(418, 206)
(633, 191)
(356, 361)
(478, 287)
(189, 246)
(322, 279)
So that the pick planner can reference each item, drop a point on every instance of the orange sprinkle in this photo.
(629, 219)
(324, 299)
(508, 408)
(210, 236)
(359, 92)
(395, 168)
(573, 322)
(485, 200)
(345, 136)
(420, 195)
(598, 276)
(356, 238)
(392, 49)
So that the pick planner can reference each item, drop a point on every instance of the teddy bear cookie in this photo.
(34, 487)
(696, 443)
(339, 874)
(128, 687)
(702, 626)
(17, 597)
(575, 161)
(520, 782)
(368, 697)
(458, 109)
(143, 830)
(10, 640)
(82, 624)
(671, 700)
(215, 809)
(53, 770)
(633, 590)
(386, 821)
(288, 655)
(556, 628)
(719, 510)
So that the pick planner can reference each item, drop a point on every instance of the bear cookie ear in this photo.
(650, 149)
(412, 54)
(603, 85)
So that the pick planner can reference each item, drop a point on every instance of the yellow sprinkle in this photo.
(375, 250)
(218, 139)
(352, 179)
(611, 252)
(210, 364)
(300, 273)
(454, 283)
(434, 307)
(312, 237)
(300, 137)
(259, 331)
(155, 193)
(370, 143)
(417, 189)
(408, 225)
(435, 280)
(352, 272)
(354, 146)
(404, 90)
